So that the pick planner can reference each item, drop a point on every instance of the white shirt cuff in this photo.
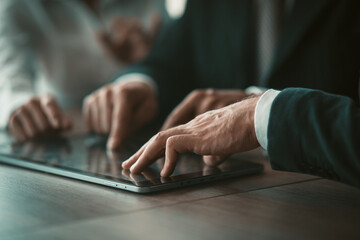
(137, 77)
(262, 114)
(255, 90)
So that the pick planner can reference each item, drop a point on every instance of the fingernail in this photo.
(132, 168)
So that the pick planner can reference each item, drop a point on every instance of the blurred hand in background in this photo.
(200, 101)
(127, 41)
(120, 109)
(40, 115)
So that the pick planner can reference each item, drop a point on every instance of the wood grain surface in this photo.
(271, 205)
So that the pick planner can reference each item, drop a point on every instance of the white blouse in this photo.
(49, 47)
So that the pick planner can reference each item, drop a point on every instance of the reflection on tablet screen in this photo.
(88, 154)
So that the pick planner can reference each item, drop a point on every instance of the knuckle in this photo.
(209, 92)
(98, 91)
(95, 98)
(157, 137)
(88, 99)
(198, 93)
(48, 98)
(107, 89)
(170, 142)
(32, 102)
(105, 95)
(160, 136)
(47, 104)
(198, 118)
(48, 101)
(124, 91)
(107, 92)
(20, 110)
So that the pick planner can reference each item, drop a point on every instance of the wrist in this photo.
(244, 129)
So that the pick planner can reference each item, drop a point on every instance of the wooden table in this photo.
(272, 205)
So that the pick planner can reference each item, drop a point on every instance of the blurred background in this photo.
(69, 48)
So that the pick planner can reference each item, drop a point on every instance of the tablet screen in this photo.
(88, 154)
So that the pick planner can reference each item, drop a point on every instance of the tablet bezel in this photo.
(249, 168)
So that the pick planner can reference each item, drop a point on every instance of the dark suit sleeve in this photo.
(315, 133)
(169, 63)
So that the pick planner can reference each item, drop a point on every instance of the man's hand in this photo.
(219, 132)
(200, 101)
(119, 109)
(39, 116)
(127, 41)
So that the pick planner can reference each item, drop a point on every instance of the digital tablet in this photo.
(86, 158)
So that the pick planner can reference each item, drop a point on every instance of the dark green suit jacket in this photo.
(316, 133)
(213, 45)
